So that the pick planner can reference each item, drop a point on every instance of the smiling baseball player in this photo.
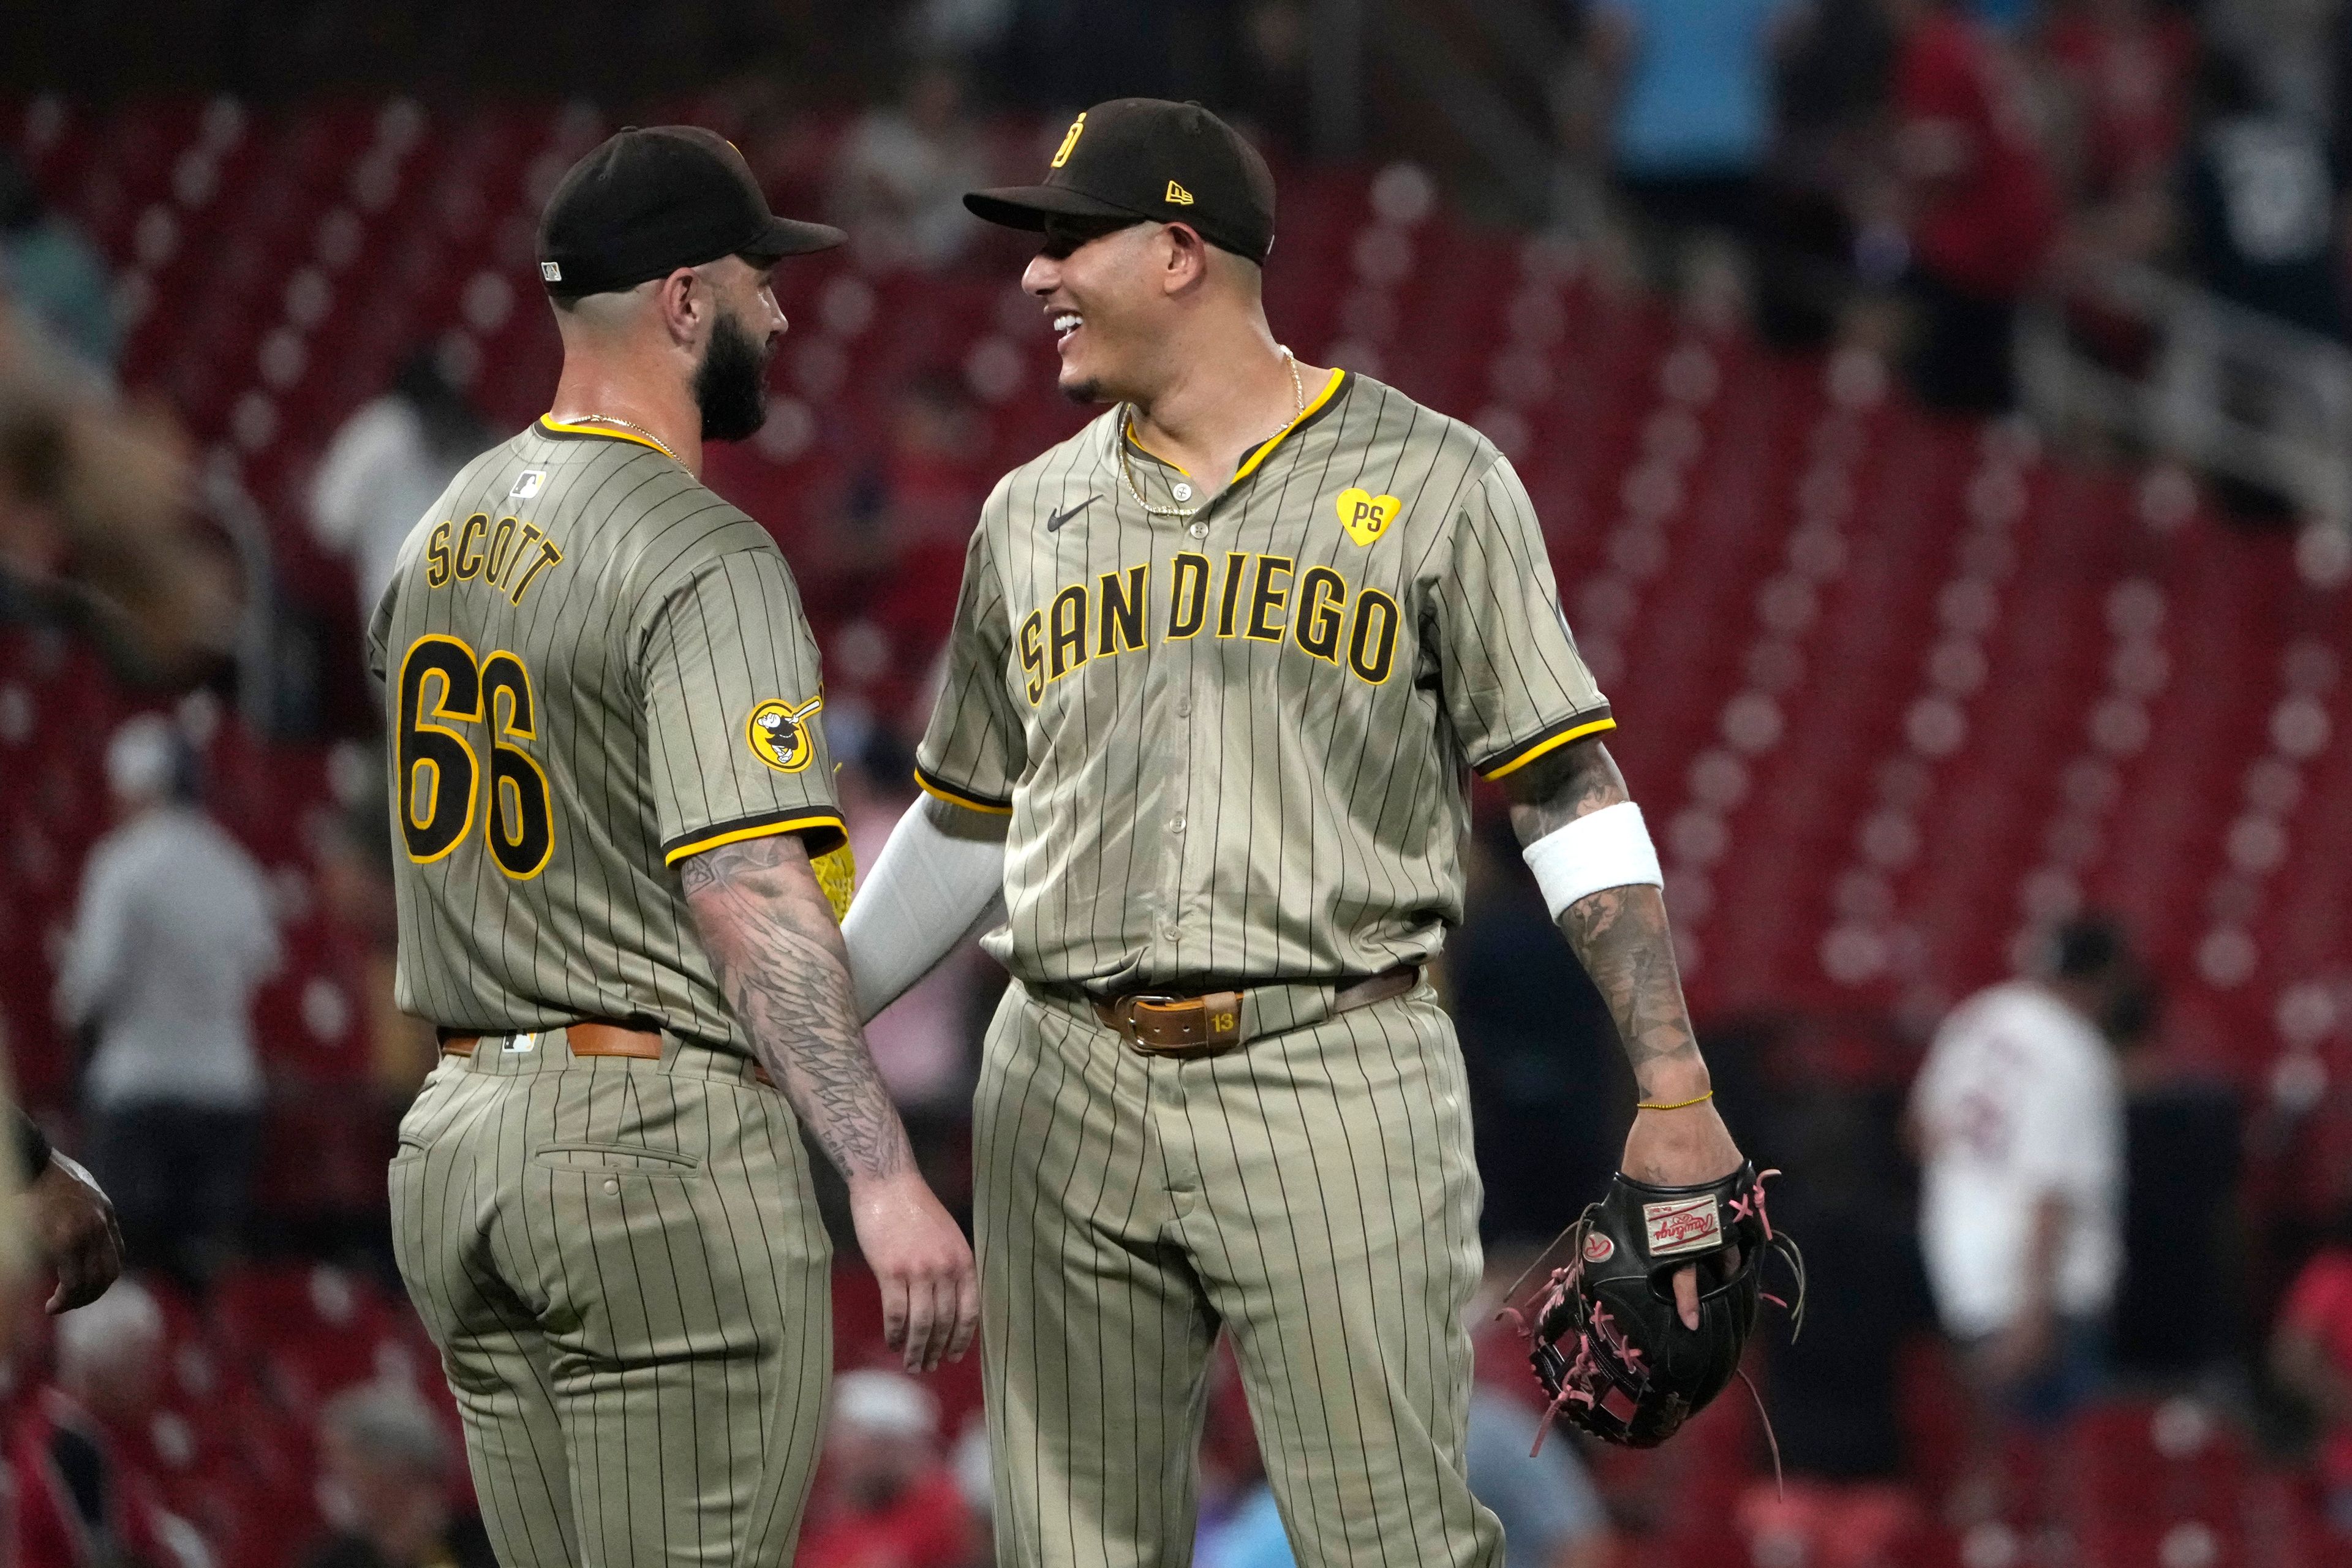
(1223, 665)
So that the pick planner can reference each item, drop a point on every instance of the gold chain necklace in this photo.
(660, 445)
(1127, 422)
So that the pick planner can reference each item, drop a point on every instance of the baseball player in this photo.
(609, 781)
(1223, 665)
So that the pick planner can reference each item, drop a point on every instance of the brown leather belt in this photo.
(594, 1040)
(1158, 1025)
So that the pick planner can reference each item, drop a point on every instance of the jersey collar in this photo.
(1316, 407)
(551, 425)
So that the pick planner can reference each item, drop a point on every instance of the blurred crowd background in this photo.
(1942, 429)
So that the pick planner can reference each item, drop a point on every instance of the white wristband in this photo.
(1605, 848)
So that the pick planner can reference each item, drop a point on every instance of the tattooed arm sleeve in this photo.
(1619, 934)
(772, 938)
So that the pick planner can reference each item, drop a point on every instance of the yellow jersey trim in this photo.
(1137, 441)
(965, 801)
(1250, 463)
(1555, 743)
(550, 422)
(758, 830)
(1314, 406)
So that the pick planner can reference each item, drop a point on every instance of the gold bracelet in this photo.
(1679, 1104)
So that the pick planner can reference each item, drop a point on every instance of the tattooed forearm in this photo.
(1619, 934)
(772, 938)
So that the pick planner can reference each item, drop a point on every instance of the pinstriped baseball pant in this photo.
(1314, 1194)
(623, 1265)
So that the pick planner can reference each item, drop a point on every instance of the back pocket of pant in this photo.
(614, 1157)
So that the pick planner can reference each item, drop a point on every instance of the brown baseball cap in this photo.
(647, 201)
(1149, 161)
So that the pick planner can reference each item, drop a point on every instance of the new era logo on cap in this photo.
(1145, 160)
(551, 271)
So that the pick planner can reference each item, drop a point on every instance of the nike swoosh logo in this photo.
(1053, 520)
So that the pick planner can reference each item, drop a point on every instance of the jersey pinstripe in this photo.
(1238, 747)
(592, 668)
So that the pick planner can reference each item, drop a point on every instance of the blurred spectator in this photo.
(923, 488)
(81, 1503)
(173, 932)
(2259, 204)
(98, 512)
(2019, 1115)
(902, 171)
(1832, 1390)
(1250, 1535)
(1275, 94)
(385, 1487)
(1982, 212)
(1831, 92)
(2127, 68)
(388, 464)
(886, 1497)
(49, 268)
(2311, 1354)
(1690, 84)
(1552, 1515)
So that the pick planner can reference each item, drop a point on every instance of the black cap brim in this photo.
(1028, 206)
(790, 237)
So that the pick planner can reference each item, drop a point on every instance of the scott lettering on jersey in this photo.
(509, 555)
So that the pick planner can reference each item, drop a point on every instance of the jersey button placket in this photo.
(1183, 676)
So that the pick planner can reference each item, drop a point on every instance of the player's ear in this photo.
(682, 300)
(1184, 258)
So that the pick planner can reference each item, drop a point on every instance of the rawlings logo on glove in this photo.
(1605, 1337)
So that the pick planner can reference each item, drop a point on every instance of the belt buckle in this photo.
(1210, 1022)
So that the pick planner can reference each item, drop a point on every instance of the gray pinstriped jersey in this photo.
(1237, 748)
(594, 666)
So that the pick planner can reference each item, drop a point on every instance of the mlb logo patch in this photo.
(518, 1044)
(526, 484)
(1682, 1225)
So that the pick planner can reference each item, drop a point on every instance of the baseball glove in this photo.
(1603, 1334)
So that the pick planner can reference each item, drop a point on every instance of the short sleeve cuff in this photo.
(1550, 738)
(824, 831)
(958, 794)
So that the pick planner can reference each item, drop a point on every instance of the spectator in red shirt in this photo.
(82, 1501)
(1977, 188)
(2126, 66)
(2311, 1353)
(884, 1496)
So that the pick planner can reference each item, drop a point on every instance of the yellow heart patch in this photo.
(1366, 515)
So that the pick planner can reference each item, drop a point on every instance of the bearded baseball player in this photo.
(609, 784)
(1223, 665)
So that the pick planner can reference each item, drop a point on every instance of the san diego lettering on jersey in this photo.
(1253, 595)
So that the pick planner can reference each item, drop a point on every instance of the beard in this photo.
(731, 385)
(1088, 391)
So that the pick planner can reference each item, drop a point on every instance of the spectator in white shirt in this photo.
(173, 934)
(900, 173)
(386, 465)
(2019, 1111)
